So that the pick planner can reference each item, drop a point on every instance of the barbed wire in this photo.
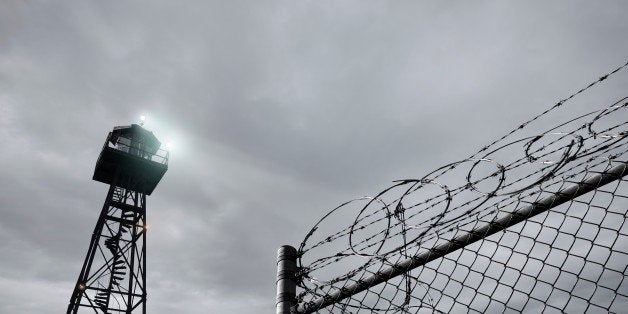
(369, 236)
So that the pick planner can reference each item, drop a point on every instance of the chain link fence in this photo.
(534, 221)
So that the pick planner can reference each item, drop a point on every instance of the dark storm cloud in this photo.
(279, 111)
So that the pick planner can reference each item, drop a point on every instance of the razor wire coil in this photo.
(573, 257)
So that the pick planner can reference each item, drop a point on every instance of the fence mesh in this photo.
(571, 257)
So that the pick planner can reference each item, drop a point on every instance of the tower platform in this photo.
(132, 154)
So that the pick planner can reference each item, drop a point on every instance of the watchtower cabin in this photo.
(131, 159)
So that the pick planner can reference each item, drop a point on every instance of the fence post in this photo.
(286, 279)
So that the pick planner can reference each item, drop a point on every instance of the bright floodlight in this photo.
(169, 145)
(142, 119)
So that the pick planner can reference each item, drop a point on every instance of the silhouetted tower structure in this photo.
(113, 276)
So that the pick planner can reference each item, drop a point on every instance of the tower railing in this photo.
(135, 148)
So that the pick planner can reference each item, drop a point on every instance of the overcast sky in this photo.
(278, 111)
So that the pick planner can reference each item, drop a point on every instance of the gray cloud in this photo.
(278, 111)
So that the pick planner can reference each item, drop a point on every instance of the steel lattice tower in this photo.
(113, 276)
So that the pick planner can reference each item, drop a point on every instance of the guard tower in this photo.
(113, 276)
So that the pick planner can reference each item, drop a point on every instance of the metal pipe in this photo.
(286, 279)
(472, 236)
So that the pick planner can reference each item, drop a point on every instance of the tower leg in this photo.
(113, 275)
